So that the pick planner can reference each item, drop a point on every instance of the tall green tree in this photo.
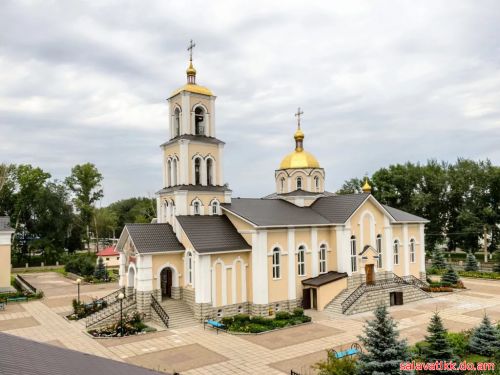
(85, 183)
(384, 351)
(471, 262)
(485, 339)
(133, 210)
(351, 186)
(438, 348)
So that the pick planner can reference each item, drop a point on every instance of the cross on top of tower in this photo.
(298, 114)
(190, 49)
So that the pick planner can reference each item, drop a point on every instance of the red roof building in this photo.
(109, 251)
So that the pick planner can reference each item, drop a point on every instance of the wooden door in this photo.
(370, 274)
(306, 299)
(166, 282)
(399, 298)
(169, 283)
(314, 298)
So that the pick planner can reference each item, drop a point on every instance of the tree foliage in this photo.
(438, 348)
(438, 260)
(450, 276)
(471, 262)
(485, 339)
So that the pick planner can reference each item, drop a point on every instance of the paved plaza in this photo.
(193, 350)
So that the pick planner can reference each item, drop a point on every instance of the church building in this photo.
(299, 246)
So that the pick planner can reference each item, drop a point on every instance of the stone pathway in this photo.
(193, 350)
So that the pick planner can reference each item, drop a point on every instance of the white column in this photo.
(219, 166)
(259, 268)
(203, 280)
(346, 244)
(203, 174)
(341, 251)
(185, 115)
(123, 277)
(292, 289)
(389, 256)
(422, 248)
(192, 129)
(171, 126)
(144, 264)
(207, 124)
(184, 162)
(212, 116)
(314, 249)
(406, 251)
(164, 169)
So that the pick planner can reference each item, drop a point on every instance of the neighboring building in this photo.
(6, 233)
(20, 356)
(110, 256)
(301, 245)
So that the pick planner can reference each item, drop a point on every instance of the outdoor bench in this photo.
(355, 349)
(214, 324)
(16, 299)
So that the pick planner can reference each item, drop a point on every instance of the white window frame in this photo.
(297, 180)
(395, 250)
(196, 208)
(189, 266)
(316, 183)
(301, 260)
(412, 250)
(322, 258)
(276, 263)
(379, 251)
(215, 208)
(354, 259)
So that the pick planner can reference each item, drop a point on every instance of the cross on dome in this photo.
(299, 112)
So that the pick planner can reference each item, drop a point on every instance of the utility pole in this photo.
(485, 243)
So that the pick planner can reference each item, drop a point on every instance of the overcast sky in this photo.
(380, 82)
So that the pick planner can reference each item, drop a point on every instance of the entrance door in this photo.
(370, 274)
(314, 298)
(166, 282)
(306, 299)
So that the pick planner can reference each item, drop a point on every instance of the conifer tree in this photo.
(485, 339)
(384, 350)
(471, 262)
(438, 348)
(100, 270)
(438, 260)
(450, 276)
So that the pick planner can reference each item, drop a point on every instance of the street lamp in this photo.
(78, 282)
(121, 296)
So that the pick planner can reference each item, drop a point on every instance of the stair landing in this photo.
(180, 315)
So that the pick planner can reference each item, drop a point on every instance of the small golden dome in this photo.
(191, 71)
(366, 187)
(299, 135)
(299, 159)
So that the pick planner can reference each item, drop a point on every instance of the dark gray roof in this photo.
(216, 188)
(19, 356)
(212, 233)
(403, 216)
(324, 278)
(153, 238)
(269, 212)
(298, 193)
(192, 137)
(5, 224)
(338, 208)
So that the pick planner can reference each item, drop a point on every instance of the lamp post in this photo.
(78, 282)
(121, 296)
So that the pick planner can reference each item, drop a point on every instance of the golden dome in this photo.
(194, 88)
(366, 187)
(299, 135)
(191, 71)
(299, 159)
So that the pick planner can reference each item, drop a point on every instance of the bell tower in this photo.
(193, 180)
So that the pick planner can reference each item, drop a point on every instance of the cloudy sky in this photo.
(380, 82)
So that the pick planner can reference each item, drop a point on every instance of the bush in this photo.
(334, 366)
(471, 263)
(259, 320)
(298, 311)
(458, 342)
(81, 264)
(241, 318)
(450, 276)
(280, 323)
(256, 328)
(227, 320)
(282, 315)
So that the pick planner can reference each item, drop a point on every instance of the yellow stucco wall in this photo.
(4, 266)
(175, 259)
(329, 291)
(230, 263)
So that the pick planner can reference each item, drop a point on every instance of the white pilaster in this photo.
(314, 249)
(422, 248)
(219, 166)
(389, 255)
(341, 251)
(203, 174)
(346, 245)
(406, 251)
(123, 277)
(181, 203)
(184, 162)
(212, 116)
(144, 264)
(292, 289)
(185, 117)
(259, 268)
(203, 279)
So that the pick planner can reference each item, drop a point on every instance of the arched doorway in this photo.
(166, 282)
(131, 277)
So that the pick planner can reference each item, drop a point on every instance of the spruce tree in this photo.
(471, 262)
(438, 260)
(496, 261)
(100, 270)
(485, 339)
(450, 276)
(438, 348)
(384, 350)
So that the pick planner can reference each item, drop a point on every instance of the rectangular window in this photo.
(354, 263)
(301, 262)
(412, 251)
(322, 259)
(379, 251)
(276, 264)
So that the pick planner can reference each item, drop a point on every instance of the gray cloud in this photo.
(380, 83)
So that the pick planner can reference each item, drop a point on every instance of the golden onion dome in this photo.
(299, 158)
(191, 71)
(366, 187)
(191, 85)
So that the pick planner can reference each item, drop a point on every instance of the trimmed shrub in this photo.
(282, 315)
(298, 311)
(256, 328)
(259, 320)
(241, 318)
(458, 342)
(280, 323)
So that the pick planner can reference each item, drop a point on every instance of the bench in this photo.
(355, 349)
(2, 305)
(214, 324)
(16, 299)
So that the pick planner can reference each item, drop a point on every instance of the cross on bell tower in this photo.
(191, 71)
(298, 114)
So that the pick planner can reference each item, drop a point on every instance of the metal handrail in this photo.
(99, 316)
(160, 310)
(23, 280)
(112, 297)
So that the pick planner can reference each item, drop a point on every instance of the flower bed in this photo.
(132, 325)
(82, 310)
(441, 286)
(257, 324)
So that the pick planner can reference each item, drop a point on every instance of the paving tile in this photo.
(7, 325)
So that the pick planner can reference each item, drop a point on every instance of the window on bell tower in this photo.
(197, 171)
(210, 166)
(299, 183)
(177, 122)
(282, 181)
(199, 121)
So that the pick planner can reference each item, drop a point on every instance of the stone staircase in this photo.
(335, 305)
(180, 315)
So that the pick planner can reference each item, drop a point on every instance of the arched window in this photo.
(166, 212)
(177, 122)
(210, 165)
(316, 183)
(169, 173)
(190, 268)
(299, 183)
(174, 172)
(396, 252)
(354, 261)
(196, 208)
(301, 260)
(379, 250)
(282, 186)
(197, 171)
(322, 258)
(199, 121)
(215, 208)
(276, 263)
(412, 250)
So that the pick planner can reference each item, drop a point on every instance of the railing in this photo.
(112, 297)
(159, 310)
(109, 311)
(21, 280)
(410, 279)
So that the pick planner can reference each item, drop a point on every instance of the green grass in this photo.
(30, 270)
